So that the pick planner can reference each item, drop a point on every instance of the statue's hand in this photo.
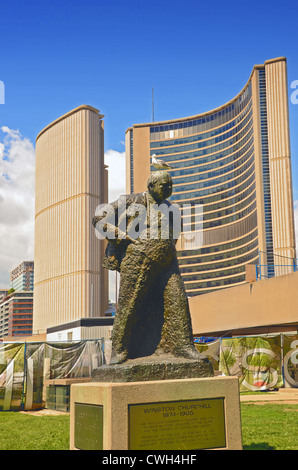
(135, 242)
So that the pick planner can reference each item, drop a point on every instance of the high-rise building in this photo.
(16, 313)
(3, 313)
(16, 304)
(235, 163)
(71, 181)
(22, 277)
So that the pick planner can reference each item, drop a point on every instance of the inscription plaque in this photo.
(88, 426)
(177, 425)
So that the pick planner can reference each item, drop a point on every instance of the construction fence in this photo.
(39, 375)
(260, 362)
(27, 369)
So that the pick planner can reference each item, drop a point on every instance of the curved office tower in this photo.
(234, 163)
(71, 180)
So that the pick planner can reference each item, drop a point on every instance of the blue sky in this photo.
(111, 53)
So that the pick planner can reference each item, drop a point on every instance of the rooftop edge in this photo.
(69, 113)
(206, 113)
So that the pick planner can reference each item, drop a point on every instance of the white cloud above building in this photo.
(17, 174)
(116, 168)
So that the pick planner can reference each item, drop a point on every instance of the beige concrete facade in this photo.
(260, 307)
(116, 429)
(235, 161)
(280, 161)
(71, 180)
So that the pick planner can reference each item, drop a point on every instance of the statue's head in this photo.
(160, 185)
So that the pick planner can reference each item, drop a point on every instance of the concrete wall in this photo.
(267, 302)
(81, 333)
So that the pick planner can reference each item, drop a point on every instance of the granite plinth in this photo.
(154, 368)
(182, 414)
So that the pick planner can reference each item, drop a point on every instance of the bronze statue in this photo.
(152, 317)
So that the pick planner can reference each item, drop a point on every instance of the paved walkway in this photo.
(283, 395)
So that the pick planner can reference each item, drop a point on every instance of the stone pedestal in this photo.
(178, 414)
(155, 367)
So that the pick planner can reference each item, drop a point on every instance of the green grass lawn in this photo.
(264, 427)
(21, 431)
(269, 426)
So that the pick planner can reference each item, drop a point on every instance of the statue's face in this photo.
(161, 189)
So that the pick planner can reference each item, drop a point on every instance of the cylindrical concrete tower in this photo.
(71, 180)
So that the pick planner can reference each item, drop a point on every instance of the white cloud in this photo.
(116, 163)
(17, 173)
